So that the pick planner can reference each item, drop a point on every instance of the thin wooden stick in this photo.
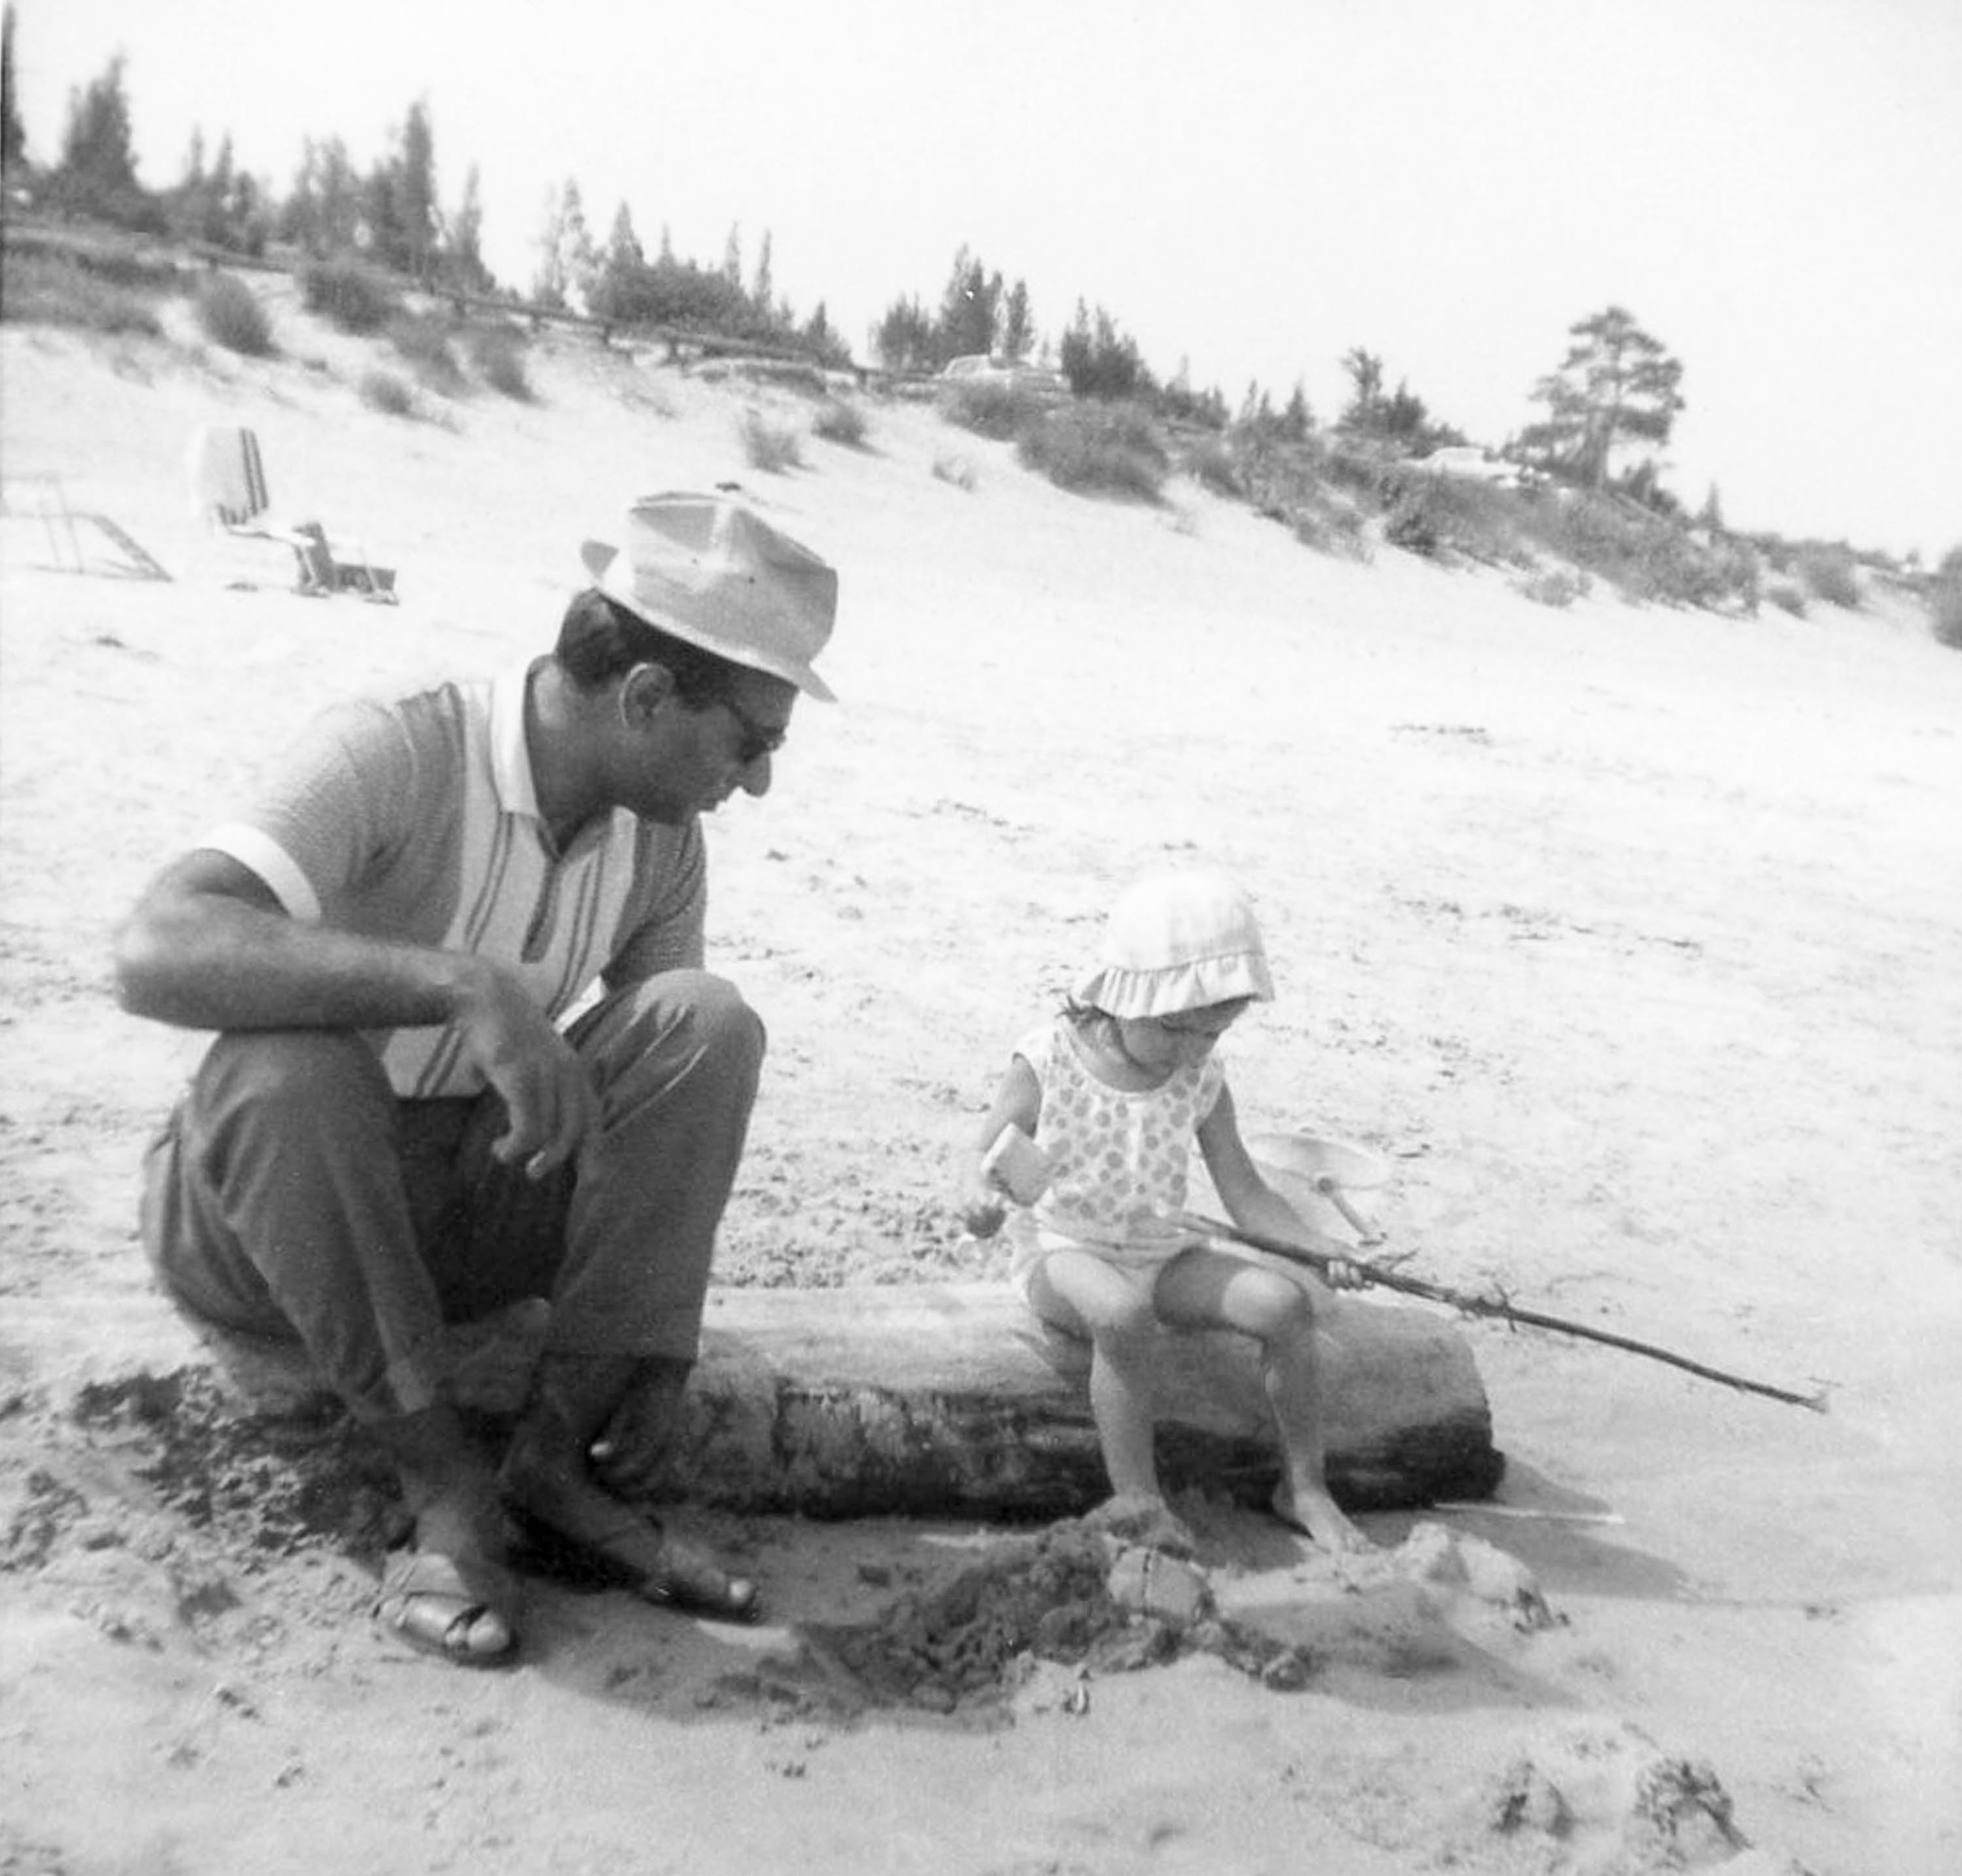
(1490, 1306)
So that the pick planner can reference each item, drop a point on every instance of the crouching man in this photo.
(394, 1130)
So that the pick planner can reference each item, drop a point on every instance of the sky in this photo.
(1251, 188)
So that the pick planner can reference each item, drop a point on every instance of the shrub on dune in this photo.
(838, 422)
(1944, 600)
(496, 354)
(1004, 411)
(1829, 572)
(1092, 448)
(423, 344)
(51, 290)
(383, 390)
(351, 296)
(231, 315)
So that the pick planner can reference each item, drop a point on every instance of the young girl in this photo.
(1114, 1091)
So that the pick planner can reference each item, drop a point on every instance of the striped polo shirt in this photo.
(419, 821)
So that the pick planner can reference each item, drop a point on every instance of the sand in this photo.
(1624, 934)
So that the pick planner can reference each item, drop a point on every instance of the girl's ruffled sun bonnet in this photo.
(1177, 941)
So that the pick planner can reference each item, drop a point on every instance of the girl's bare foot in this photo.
(1317, 1517)
(1138, 1519)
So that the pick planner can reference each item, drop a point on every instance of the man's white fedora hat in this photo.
(710, 572)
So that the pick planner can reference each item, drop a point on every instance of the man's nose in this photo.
(755, 776)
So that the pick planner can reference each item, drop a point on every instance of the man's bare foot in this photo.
(450, 1594)
(1316, 1516)
(552, 1495)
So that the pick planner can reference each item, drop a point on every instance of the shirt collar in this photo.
(510, 756)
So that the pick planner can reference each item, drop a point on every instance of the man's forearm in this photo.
(204, 962)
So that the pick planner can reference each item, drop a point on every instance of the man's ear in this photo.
(643, 691)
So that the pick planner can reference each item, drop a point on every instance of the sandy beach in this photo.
(1625, 935)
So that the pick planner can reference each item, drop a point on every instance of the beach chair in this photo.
(233, 497)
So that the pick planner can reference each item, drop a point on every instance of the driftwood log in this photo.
(950, 1399)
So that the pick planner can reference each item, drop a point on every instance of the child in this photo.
(1114, 1091)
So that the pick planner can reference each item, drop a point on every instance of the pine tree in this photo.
(1364, 412)
(1297, 420)
(904, 340)
(331, 192)
(215, 201)
(1616, 386)
(97, 174)
(567, 265)
(463, 240)
(762, 293)
(1101, 362)
(620, 284)
(187, 201)
(13, 133)
(1019, 323)
(420, 221)
(967, 326)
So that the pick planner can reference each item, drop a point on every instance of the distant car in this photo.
(1009, 373)
(1466, 460)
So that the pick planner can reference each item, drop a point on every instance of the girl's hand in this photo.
(1340, 1273)
(981, 1212)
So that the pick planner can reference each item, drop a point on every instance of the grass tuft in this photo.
(838, 422)
(383, 390)
(772, 447)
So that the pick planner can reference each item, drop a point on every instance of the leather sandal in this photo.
(433, 1603)
(682, 1575)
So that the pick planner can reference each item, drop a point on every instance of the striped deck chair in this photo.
(231, 496)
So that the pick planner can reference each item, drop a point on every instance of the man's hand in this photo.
(628, 1456)
(548, 1094)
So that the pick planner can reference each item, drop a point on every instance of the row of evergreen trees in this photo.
(390, 215)
(1617, 389)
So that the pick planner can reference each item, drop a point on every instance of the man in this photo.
(394, 1129)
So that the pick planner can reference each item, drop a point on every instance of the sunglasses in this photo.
(758, 739)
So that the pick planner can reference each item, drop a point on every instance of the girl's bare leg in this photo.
(1085, 1295)
(1204, 1288)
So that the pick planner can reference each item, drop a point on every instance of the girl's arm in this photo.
(1017, 1103)
(1253, 1204)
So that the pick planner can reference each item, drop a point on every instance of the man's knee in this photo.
(314, 1078)
(682, 1023)
(718, 1015)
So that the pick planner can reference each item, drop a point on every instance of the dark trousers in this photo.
(292, 1194)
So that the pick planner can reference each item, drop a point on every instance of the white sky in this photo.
(1773, 187)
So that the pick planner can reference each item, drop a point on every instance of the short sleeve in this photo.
(333, 812)
(1212, 1080)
